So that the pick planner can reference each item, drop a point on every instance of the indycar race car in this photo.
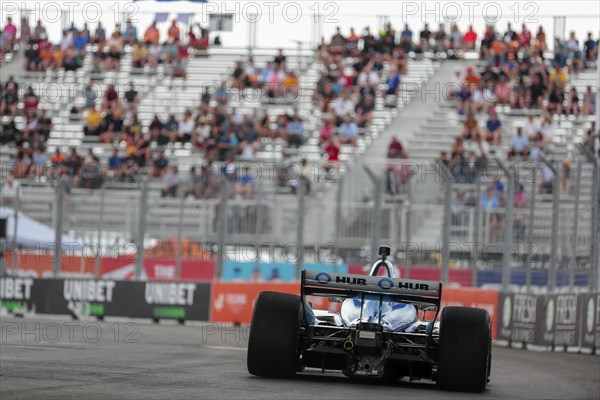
(377, 333)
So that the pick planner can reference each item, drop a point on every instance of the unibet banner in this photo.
(99, 298)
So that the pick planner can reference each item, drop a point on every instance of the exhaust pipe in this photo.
(348, 345)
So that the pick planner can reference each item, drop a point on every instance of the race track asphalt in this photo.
(56, 358)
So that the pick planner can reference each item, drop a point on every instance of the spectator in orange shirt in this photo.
(152, 34)
(174, 33)
(498, 53)
(472, 78)
(58, 158)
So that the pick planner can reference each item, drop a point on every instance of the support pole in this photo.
(141, 232)
(477, 231)
(573, 262)
(509, 223)
(180, 236)
(376, 221)
(222, 231)
(100, 229)
(59, 208)
(555, 220)
(530, 229)
(446, 229)
(300, 227)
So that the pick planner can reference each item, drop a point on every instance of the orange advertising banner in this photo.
(234, 302)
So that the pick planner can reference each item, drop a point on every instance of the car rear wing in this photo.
(422, 293)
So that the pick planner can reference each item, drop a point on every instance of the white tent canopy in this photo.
(32, 234)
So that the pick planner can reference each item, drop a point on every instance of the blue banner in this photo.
(272, 272)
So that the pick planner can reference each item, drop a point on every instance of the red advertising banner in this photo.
(122, 268)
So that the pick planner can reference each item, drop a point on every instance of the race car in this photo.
(377, 333)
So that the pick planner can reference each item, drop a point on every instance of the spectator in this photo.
(131, 33)
(332, 149)
(113, 56)
(396, 150)
(171, 128)
(159, 165)
(221, 95)
(590, 48)
(100, 34)
(174, 33)
(493, 129)
(114, 163)
(342, 107)
(532, 126)
(179, 67)
(10, 190)
(573, 103)
(93, 122)
(30, 100)
(73, 163)
(140, 56)
(295, 133)
(589, 103)
(58, 159)
(170, 181)
(111, 96)
(547, 183)
(348, 131)
(470, 39)
(192, 184)
(152, 34)
(39, 32)
(566, 180)
(519, 144)
(131, 95)
(91, 173)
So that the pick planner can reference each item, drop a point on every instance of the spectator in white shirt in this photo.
(531, 127)
(342, 107)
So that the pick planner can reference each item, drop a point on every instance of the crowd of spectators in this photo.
(357, 69)
(518, 76)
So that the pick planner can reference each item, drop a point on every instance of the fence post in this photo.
(508, 229)
(139, 265)
(376, 221)
(595, 229)
(59, 208)
(573, 262)
(338, 212)
(446, 229)
(477, 234)
(180, 236)
(15, 264)
(222, 230)
(259, 223)
(594, 263)
(100, 229)
(300, 227)
(555, 216)
(530, 229)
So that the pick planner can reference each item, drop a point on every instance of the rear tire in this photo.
(464, 349)
(273, 341)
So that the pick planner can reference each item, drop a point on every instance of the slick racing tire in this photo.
(464, 350)
(273, 341)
